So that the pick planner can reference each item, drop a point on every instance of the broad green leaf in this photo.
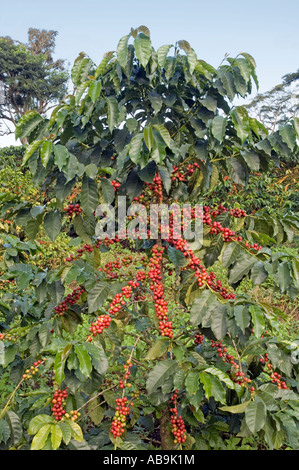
(240, 120)
(85, 364)
(213, 387)
(95, 412)
(98, 357)
(201, 308)
(255, 416)
(148, 137)
(176, 257)
(236, 409)
(61, 155)
(16, 431)
(230, 254)
(156, 350)
(242, 266)
(164, 133)
(192, 383)
(242, 317)
(221, 375)
(46, 151)
(143, 48)
(103, 64)
(135, 148)
(122, 50)
(66, 431)
(112, 112)
(30, 150)
(159, 374)
(56, 436)
(108, 191)
(218, 128)
(89, 195)
(38, 422)
(258, 320)
(192, 60)
(76, 431)
(39, 440)
(52, 224)
(94, 90)
(27, 124)
(97, 296)
(59, 363)
(162, 54)
(288, 135)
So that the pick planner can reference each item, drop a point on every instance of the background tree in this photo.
(29, 76)
(278, 105)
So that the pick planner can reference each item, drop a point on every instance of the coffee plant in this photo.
(133, 342)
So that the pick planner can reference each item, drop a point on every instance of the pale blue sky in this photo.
(266, 29)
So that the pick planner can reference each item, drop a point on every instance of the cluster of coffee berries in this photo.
(156, 286)
(199, 338)
(120, 418)
(89, 248)
(178, 427)
(99, 325)
(124, 382)
(71, 299)
(156, 186)
(58, 402)
(116, 184)
(273, 376)
(33, 369)
(238, 213)
(181, 174)
(72, 209)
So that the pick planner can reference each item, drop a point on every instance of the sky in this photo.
(266, 29)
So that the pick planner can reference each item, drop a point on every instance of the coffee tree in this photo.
(134, 342)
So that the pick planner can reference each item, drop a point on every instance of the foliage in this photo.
(29, 76)
(135, 343)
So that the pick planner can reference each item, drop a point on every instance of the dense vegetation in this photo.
(141, 343)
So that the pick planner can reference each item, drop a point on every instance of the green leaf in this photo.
(112, 112)
(242, 317)
(39, 440)
(163, 133)
(240, 120)
(288, 135)
(162, 54)
(98, 357)
(255, 416)
(66, 431)
(201, 308)
(15, 426)
(97, 296)
(218, 128)
(242, 266)
(56, 436)
(143, 48)
(213, 387)
(258, 320)
(192, 383)
(192, 60)
(221, 375)
(61, 155)
(46, 151)
(89, 195)
(59, 363)
(108, 191)
(76, 431)
(135, 148)
(38, 422)
(156, 350)
(122, 50)
(94, 90)
(27, 124)
(52, 224)
(85, 364)
(236, 409)
(148, 137)
(159, 374)
(176, 257)
(30, 150)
